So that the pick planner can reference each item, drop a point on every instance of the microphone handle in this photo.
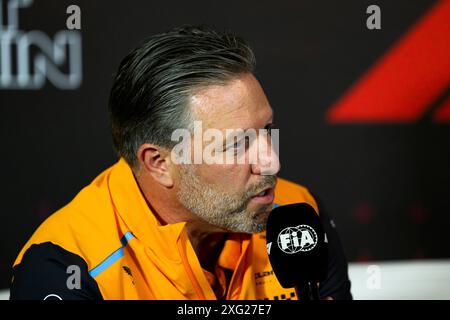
(307, 291)
(314, 290)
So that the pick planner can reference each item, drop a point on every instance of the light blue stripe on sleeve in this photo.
(116, 255)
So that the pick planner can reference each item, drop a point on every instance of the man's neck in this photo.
(207, 243)
(206, 240)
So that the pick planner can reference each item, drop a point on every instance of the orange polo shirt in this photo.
(111, 227)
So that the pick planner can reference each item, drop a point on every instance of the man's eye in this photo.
(233, 146)
(238, 144)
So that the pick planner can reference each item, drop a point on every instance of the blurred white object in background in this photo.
(401, 280)
(4, 294)
(405, 280)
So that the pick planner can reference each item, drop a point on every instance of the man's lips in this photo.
(265, 197)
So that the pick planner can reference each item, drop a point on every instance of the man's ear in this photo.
(155, 161)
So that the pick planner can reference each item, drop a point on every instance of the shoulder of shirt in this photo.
(287, 192)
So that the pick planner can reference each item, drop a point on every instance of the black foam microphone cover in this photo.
(297, 245)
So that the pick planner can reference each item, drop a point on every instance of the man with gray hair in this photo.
(154, 227)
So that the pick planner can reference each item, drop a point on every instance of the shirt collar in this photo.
(132, 208)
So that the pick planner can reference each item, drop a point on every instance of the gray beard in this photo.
(225, 211)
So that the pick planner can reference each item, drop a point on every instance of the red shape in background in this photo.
(443, 112)
(419, 254)
(406, 80)
(418, 212)
(365, 256)
(364, 212)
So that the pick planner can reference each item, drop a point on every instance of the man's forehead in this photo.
(240, 103)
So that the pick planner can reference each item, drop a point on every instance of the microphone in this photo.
(298, 248)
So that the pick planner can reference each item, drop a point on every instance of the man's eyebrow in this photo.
(269, 121)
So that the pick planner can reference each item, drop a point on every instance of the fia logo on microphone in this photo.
(294, 239)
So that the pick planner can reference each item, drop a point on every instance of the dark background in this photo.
(386, 184)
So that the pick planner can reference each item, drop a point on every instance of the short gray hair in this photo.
(149, 97)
